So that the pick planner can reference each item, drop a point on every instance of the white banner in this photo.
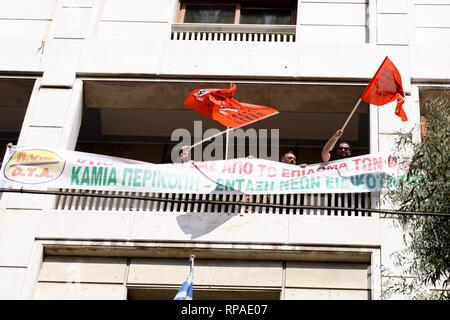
(29, 167)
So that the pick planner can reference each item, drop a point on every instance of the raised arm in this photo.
(326, 151)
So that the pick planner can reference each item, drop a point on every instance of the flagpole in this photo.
(351, 114)
(191, 265)
(213, 136)
(227, 137)
(227, 130)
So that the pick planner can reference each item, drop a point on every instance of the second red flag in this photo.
(220, 105)
(385, 87)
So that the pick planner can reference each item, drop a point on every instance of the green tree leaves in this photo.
(426, 188)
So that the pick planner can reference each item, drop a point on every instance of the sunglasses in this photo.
(343, 148)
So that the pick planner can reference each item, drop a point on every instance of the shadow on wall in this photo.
(199, 224)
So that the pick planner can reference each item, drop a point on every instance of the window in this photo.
(244, 20)
(255, 15)
(244, 12)
(208, 13)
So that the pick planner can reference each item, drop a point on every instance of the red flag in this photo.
(385, 87)
(220, 105)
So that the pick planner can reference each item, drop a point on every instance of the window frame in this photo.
(238, 5)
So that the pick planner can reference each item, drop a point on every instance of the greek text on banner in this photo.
(52, 168)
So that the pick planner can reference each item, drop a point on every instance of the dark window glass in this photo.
(253, 15)
(200, 13)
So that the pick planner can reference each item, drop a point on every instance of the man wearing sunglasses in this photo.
(343, 150)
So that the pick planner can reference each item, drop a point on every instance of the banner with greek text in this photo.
(28, 168)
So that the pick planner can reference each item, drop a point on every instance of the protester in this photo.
(392, 161)
(290, 158)
(183, 155)
(178, 155)
(343, 150)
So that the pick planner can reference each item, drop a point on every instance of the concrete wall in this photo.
(57, 40)
(120, 36)
(24, 25)
(352, 51)
(339, 22)
(68, 277)
(247, 235)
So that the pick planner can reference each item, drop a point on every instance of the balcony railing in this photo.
(311, 204)
(233, 32)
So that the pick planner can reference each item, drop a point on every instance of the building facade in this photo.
(109, 77)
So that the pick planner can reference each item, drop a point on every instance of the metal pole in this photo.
(191, 265)
(227, 138)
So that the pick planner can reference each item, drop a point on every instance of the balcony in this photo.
(235, 33)
(338, 204)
